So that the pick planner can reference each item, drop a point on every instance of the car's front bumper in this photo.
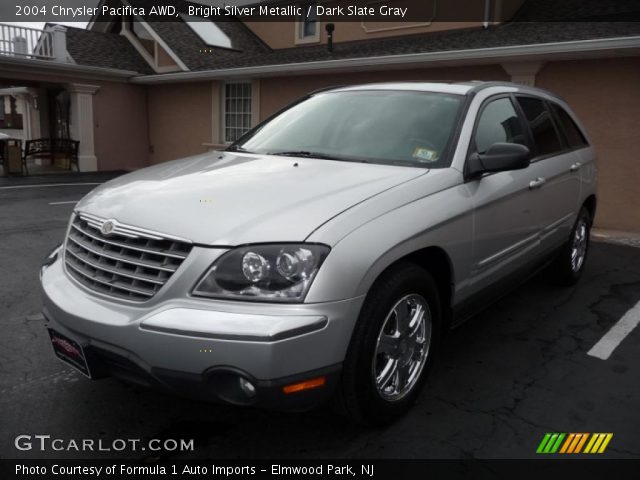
(202, 347)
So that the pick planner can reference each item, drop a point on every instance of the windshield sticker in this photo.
(425, 155)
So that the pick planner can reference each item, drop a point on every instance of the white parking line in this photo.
(64, 203)
(11, 187)
(607, 344)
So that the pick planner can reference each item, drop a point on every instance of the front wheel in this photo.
(393, 345)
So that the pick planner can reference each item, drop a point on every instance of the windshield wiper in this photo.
(322, 156)
(305, 153)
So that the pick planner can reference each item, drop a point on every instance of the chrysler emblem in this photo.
(107, 227)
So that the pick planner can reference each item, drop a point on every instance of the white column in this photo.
(27, 125)
(82, 124)
(59, 38)
(30, 119)
(523, 72)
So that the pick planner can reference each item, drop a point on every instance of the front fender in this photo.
(443, 219)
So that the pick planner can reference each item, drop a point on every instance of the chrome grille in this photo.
(127, 262)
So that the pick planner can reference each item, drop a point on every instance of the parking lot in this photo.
(516, 371)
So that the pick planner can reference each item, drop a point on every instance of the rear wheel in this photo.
(569, 264)
(393, 345)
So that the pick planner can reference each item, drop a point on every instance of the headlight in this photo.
(275, 273)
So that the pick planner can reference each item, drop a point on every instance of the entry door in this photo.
(506, 220)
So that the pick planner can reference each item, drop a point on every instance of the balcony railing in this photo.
(26, 42)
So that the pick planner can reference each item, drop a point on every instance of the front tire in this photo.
(393, 345)
(568, 266)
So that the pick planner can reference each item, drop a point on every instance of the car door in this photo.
(557, 177)
(505, 221)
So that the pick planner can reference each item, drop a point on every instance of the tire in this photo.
(376, 346)
(568, 266)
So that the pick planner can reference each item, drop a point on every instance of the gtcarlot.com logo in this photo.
(573, 443)
(47, 443)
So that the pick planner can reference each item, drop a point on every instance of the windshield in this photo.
(378, 126)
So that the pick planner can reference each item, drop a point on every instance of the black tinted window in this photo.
(544, 133)
(571, 131)
(498, 123)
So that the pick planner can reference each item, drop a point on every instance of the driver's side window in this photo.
(498, 122)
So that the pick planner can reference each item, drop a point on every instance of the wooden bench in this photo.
(52, 147)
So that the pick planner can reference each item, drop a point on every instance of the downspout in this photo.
(487, 12)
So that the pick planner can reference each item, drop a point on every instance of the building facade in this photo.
(140, 92)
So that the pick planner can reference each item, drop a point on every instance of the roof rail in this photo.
(481, 85)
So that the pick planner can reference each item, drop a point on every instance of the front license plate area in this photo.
(70, 352)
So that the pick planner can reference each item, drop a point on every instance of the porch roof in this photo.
(106, 50)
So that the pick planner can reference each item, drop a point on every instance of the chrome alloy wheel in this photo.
(579, 244)
(402, 347)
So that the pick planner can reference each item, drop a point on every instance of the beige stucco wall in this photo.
(283, 34)
(162, 57)
(605, 94)
(121, 133)
(121, 139)
(216, 116)
(180, 120)
(277, 92)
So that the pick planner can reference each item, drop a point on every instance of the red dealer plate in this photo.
(69, 351)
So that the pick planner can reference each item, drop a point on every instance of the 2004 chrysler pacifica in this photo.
(326, 251)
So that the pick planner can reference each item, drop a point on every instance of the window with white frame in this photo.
(237, 110)
(209, 32)
(307, 28)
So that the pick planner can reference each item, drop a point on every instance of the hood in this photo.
(230, 199)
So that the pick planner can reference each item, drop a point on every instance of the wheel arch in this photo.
(437, 262)
(590, 204)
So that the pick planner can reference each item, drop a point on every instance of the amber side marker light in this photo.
(306, 385)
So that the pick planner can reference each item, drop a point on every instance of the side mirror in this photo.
(500, 157)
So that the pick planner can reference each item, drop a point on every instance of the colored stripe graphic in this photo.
(608, 438)
(555, 447)
(573, 443)
(544, 441)
(567, 443)
(583, 439)
(594, 437)
(550, 443)
(598, 442)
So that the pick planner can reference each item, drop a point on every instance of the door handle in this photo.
(537, 183)
(576, 166)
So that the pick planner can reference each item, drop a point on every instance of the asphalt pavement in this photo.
(518, 370)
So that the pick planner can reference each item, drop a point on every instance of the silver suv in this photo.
(325, 253)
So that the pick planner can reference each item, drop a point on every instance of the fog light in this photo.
(306, 385)
(247, 387)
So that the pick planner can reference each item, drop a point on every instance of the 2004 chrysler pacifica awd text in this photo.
(324, 253)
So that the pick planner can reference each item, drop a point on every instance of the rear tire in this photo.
(568, 266)
(392, 347)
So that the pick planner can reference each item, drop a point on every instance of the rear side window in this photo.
(572, 133)
(544, 132)
(498, 122)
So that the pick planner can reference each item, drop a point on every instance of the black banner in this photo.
(361, 469)
(370, 11)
